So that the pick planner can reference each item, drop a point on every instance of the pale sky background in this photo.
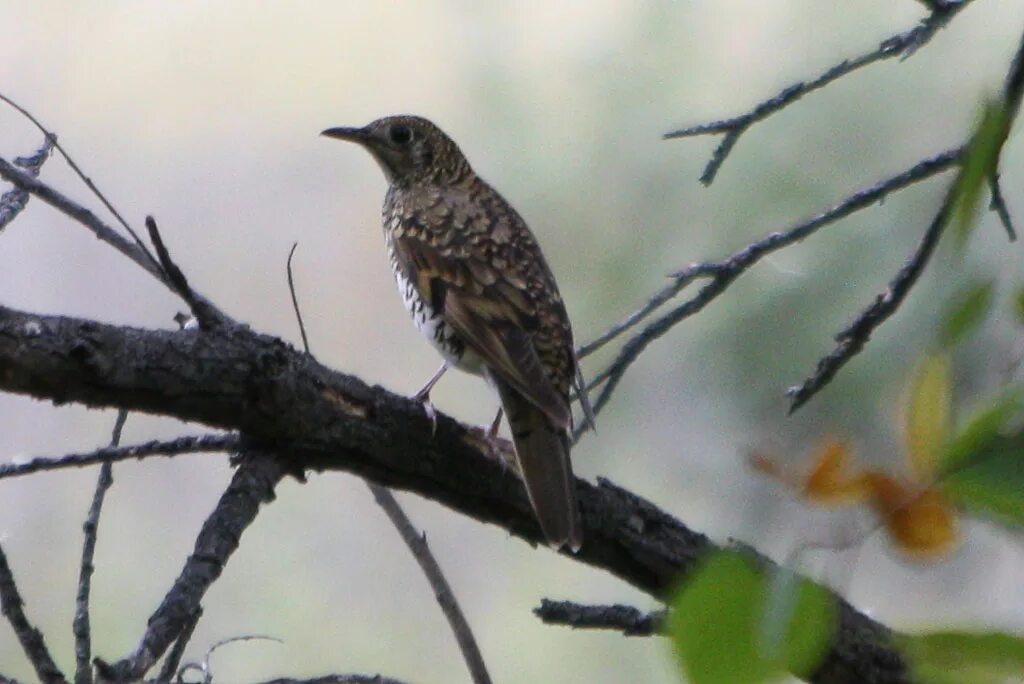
(206, 115)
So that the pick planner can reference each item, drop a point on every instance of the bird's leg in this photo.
(423, 396)
(493, 445)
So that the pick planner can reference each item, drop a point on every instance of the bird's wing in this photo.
(490, 311)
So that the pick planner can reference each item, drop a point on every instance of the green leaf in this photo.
(991, 484)
(718, 629)
(928, 417)
(980, 430)
(980, 162)
(964, 657)
(1018, 304)
(965, 312)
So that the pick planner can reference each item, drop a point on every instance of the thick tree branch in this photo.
(323, 420)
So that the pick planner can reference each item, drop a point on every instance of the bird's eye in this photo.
(400, 134)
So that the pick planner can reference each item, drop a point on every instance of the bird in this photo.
(474, 279)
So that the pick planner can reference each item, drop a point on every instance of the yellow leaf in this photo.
(928, 415)
(919, 523)
(829, 481)
(925, 527)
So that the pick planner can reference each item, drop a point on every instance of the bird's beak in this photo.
(356, 135)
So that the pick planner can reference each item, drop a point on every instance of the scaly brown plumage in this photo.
(473, 277)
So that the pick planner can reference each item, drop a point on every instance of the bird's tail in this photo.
(542, 452)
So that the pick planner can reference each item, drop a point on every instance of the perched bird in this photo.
(473, 277)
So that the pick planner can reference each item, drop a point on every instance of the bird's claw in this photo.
(428, 410)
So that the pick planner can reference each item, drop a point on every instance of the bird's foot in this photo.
(496, 448)
(428, 409)
(423, 397)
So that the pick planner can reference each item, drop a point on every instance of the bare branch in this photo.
(722, 273)
(315, 418)
(31, 639)
(80, 626)
(14, 201)
(52, 137)
(82, 215)
(102, 231)
(417, 544)
(173, 447)
(173, 659)
(205, 313)
(253, 484)
(998, 205)
(338, 679)
(901, 45)
(626, 619)
(295, 301)
(853, 338)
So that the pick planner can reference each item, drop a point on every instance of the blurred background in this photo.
(207, 116)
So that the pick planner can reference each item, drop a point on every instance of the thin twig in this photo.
(998, 205)
(900, 45)
(721, 274)
(337, 679)
(101, 230)
(173, 447)
(85, 179)
(204, 665)
(173, 659)
(204, 312)
(626, 619)
(31, 639)
(14, 201)
(80, 625)
(295, 302)
(82, 215)
(253, 484)
(417, 544)
(853, 338)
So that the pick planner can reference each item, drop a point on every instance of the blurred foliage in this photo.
(965, 312)
(980, 163)
(964, 657)
(730, 624)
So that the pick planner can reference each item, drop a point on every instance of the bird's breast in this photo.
(429, 322)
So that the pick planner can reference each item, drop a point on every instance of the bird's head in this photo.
(408, 148)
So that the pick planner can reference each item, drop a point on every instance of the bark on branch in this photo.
(315, 418)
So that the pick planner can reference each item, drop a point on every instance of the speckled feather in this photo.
(475, 281)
